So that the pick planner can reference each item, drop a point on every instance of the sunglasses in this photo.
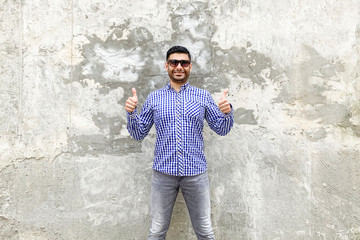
(175, 63)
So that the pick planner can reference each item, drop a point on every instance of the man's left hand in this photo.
(224, 104)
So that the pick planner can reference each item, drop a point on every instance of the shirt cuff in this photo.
(132, 114)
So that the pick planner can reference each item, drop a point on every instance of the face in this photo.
(178, 74)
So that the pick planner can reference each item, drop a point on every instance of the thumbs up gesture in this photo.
(224, 104)
(131, 102)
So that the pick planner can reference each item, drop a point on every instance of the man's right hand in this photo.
(131, 102)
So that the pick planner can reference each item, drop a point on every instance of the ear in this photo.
(166, 66)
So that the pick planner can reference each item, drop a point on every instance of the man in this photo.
(178, 111)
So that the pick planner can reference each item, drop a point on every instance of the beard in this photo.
(179, 76)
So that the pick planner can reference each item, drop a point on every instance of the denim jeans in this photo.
(195, 190)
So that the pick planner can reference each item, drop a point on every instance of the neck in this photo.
(177, 86)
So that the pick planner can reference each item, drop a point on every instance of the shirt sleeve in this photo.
(139, 125)
(218, 121)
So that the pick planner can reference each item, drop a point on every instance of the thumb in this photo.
(134, 92)
(224, 93)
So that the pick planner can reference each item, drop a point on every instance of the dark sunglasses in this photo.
(174, 63)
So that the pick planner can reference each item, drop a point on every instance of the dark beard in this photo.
(176, 80)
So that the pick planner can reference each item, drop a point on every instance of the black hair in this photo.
(177, 49)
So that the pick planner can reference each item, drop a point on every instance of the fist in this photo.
(131, 102)
(224, 104)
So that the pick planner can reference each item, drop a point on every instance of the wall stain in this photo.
(244, 116)
(308, 82)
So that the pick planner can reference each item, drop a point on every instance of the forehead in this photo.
(179, 56)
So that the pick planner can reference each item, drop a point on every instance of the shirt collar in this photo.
(182, 88)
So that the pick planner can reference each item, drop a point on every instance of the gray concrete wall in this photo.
(288, 170)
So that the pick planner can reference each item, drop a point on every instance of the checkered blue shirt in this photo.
(179, 120)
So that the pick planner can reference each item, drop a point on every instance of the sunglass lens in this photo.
(185, 63)
(174, 63)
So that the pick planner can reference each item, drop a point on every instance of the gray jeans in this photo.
(195, 189)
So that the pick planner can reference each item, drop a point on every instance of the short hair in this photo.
(177, 49)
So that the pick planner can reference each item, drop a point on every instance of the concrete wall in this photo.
(288, 170)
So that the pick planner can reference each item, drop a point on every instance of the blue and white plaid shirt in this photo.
(179, 120)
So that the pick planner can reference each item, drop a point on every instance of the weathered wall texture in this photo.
(288, 170)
